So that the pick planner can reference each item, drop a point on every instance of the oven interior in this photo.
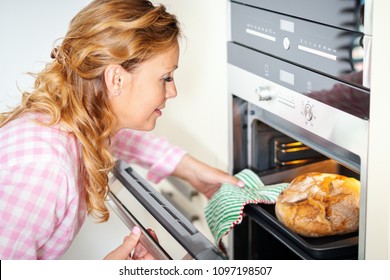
(277, 158)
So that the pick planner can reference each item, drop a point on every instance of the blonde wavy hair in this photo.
(72, 91)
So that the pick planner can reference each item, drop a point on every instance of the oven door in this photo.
(137, 203)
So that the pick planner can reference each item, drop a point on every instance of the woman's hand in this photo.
(203, 177)
(131, 249)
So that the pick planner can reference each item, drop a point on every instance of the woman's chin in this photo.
(149, 126)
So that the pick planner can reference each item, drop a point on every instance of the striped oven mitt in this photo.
(225, 208)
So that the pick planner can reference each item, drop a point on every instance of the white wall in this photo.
(28, 30)
(197, 119)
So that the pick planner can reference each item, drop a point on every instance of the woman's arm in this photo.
(206, 179)
(163, 159)
(154, 153)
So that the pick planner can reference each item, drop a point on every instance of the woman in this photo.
(107, 84)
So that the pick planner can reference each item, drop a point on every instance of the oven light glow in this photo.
(293, 144)
(286, 77)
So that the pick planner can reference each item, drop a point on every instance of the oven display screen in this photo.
(287, 25)
(286, 77)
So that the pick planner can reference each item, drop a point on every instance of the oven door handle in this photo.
(130, 221)
(174, 222)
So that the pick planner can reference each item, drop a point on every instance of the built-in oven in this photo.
(298, 85)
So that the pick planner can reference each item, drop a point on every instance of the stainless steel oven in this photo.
(299, 91)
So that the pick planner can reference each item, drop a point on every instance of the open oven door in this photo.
(136, 202)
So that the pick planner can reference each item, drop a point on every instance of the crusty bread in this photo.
(320, 204)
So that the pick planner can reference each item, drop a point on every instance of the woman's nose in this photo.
(171, 91)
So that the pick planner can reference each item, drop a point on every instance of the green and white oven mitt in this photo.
(225, 208)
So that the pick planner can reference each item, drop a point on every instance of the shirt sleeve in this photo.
(149, 151)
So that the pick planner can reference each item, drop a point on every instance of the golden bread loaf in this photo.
(320, 204)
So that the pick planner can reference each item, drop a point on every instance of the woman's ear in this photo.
(114, 79)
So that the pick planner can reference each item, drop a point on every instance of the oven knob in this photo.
(264, 93)
(264, 96)
(308, 111)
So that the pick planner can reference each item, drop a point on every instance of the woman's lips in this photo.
(158, 112)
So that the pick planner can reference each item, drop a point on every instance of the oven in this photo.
(299, 99)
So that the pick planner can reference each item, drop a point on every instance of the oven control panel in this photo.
(327, 122)
(298, 40)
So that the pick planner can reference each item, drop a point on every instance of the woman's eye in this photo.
(168, 79)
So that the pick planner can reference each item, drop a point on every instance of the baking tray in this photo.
(328, 247)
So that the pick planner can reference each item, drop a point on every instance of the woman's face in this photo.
(144, 91)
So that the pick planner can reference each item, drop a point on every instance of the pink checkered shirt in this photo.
(42, 205)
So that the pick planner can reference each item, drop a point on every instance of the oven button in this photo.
(308, 111)
(286, 43)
